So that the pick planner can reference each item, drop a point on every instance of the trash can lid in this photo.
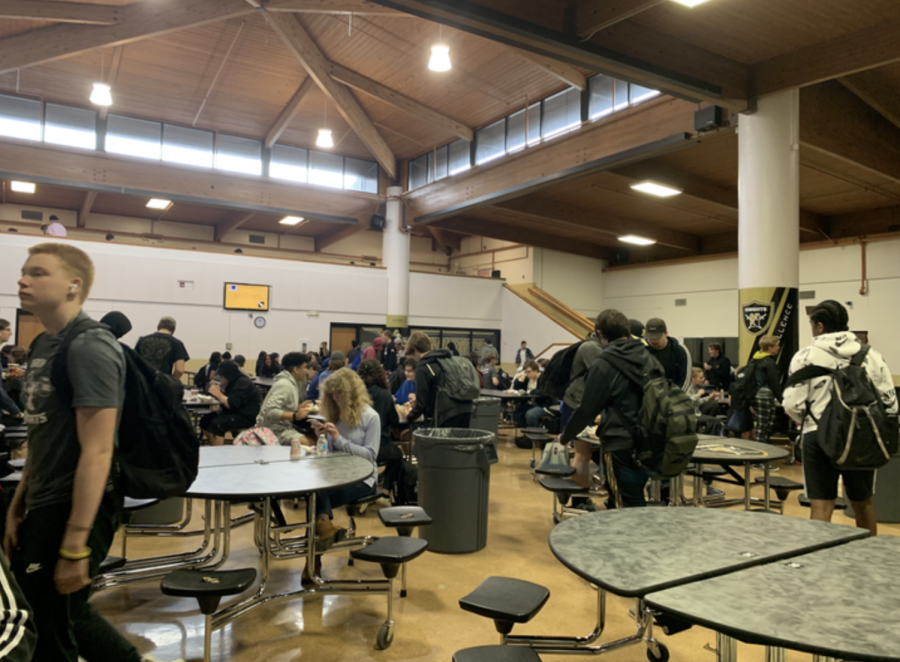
(453, 436)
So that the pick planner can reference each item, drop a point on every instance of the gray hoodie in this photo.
(285, 395)
(833, 350)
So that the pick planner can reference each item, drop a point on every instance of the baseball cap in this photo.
(337, 355)
(637, 328)
(655, 329)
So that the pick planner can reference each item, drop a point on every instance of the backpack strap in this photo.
(627, 371)
(59, 374)
(860, 357)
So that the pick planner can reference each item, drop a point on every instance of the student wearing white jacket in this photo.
(833, 347)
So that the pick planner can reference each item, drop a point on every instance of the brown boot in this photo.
(327, 534)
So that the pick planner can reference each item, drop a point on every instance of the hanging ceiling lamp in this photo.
(324, 139)
(100, 95)
(440, 54)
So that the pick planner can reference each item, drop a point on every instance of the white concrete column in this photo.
(769, 222)
(395, 250)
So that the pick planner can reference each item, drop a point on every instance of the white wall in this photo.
(455, 301)
(575, 280)
(522, 322)
(712, 295)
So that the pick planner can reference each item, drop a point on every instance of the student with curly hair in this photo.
(389, 454)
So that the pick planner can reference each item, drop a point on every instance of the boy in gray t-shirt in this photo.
(62, 519)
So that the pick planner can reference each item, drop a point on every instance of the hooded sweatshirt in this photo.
(612, 395)
(767, 374)
(372, 352)
(430, 400)
(832, 350)
(243, 398)
(285, 395)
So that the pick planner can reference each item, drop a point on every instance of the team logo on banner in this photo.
(757, 316)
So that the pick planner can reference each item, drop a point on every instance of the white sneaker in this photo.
(151, 658)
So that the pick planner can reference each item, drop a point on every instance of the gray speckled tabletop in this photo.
(280, 479)
(636, 551)
(842, 602)
(718, 450)
(224, 456)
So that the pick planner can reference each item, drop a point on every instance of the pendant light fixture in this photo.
(324, 140)
(100, 95)
(440, 54)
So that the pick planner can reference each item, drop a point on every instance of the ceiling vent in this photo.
(680, 303)
(809, 294)
(257, 239)
(32, 215)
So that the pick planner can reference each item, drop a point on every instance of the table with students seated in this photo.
(634, 552)
(841, 603)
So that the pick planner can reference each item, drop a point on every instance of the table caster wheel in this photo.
(663, 654)
(531, 464)
(385, 637)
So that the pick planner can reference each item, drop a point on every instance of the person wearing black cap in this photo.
(240, 402)
(833, 347)
(637, 329)
(669, 352)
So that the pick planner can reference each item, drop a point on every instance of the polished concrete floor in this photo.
(430, 625)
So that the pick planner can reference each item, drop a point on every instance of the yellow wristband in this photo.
(69, 556)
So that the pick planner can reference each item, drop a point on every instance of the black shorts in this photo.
(218, 423)
(821, 476)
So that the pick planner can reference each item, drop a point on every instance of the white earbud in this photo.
(73, 289)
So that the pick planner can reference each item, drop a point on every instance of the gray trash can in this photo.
(167, 511)
(486, 417)
(454, 484)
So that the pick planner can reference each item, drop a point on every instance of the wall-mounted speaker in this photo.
(376, 222)
(495, 274)
(709, 119)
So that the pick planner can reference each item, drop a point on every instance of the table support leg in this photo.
(775, 654)
(766, 484)
(726, 648)
(823, 658)
(747, 486)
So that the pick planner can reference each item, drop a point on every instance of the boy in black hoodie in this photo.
(443, 412)
(768, 385)
(609, 393)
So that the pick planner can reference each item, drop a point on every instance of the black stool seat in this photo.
(839, 504)
(537, 436)
(208, 586)
(506, 599)
(131, 505)
(364, 500)
(559, 470)
(709, 471)
(404, 517)
(562, 485)
(534, 431)
(111, 563)
(780, 483)
(393, 550)
(496, 654)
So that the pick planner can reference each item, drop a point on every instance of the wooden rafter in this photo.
(360, 7)
(571, 216)
(596, 15)
(114, 65)
(60, 12)
(232, 225)
(835, 58)
(147, 18)
(338, 234)
(444, 239)
(400, 101)
(85, 209)
(564, 72)
(289, 112)
(871, 88)
(301, 44)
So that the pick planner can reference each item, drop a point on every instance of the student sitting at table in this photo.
(240, 402)
(265, 366)
(353, 427)
(331, 365)
(390, 455)
(529, 413)
(284, 404)
(203, 378)
(409, 386)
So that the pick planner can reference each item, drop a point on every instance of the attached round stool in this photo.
(405, 519)
(496, 654)
(506, 601)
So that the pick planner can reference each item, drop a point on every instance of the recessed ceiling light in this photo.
(101, 95)
(158, 203)
(654, 188)
(639, 241)
(690, 3)
(22, 187)
(291, 220)
(440, 54)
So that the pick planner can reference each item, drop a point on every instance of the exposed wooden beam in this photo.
(298, 40)
(136, 21)
(563, 214)
(103, 172)
(446, 240)
(400, 101)
(475, 18)
(564, 72)
(596, 15)
(290, 111)
(827, 60)
(697, 188)
(648, 130)
(360, 7)
(232, 225)
(85, 210)
(482, 228)
(878, 93)
(872, 222)
(60, 12)
(338, 234)
(838, 122)
(114, 64)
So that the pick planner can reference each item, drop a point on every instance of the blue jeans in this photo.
(326, 501)
(564, 415)
(528, 416)
(630, 480)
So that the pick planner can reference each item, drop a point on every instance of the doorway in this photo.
(342, 338)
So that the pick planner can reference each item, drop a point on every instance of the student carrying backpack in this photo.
(158, 453)
(558, 373)
(446, 385)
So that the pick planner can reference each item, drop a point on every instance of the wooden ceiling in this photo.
(228, 66)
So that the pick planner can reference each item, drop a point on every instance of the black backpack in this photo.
(665, 436)
(505, 381)
(744, 389)
(558, 373)
(855, 430)
(158, 452)
(407, 491)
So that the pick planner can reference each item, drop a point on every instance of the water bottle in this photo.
(322, 444)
